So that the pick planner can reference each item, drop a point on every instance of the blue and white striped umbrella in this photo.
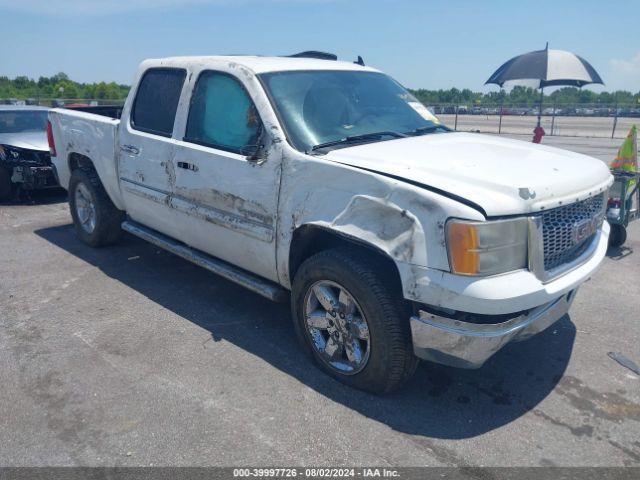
(548, 68)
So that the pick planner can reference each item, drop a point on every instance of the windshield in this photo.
(22, 121)
(319, 107)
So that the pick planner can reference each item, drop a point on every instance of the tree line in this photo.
(61, 86)
(526, 96)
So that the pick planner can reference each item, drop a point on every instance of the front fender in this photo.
(382, 224)
(403, 221)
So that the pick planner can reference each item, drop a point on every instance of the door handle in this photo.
(188, 166)
(130, 149)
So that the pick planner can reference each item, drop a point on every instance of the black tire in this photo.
(391, 360)
(6, 187)
(617, 236)
(108, 219)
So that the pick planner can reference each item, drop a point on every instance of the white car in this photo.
(24, 154)
(328, 183)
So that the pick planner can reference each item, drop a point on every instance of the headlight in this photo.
(8, 153)
(487, 248)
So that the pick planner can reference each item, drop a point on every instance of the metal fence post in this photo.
(500, 121)
(455, 126)
(615, 116)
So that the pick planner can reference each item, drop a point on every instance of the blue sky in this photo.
(429, 44)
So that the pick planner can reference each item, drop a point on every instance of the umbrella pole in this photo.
(540, 107)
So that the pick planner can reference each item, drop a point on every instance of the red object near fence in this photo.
(538, 133)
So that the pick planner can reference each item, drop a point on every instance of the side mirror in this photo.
(255, 152)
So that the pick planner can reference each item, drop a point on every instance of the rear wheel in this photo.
(96, 218)
(351, 321)
(617, 236)
(6, 187)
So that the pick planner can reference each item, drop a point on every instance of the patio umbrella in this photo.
(548, 68)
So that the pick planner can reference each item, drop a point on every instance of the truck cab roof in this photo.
(256, 64)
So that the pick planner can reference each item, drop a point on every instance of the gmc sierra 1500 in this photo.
(397, 238)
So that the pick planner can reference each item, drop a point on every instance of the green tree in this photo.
(100, 90)
(22, 87)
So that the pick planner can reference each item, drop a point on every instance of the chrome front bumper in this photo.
(468, 345)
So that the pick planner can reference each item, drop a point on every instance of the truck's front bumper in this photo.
(468, 345)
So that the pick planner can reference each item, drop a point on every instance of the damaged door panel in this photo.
(227, 200)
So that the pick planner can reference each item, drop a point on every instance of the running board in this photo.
(249, 281)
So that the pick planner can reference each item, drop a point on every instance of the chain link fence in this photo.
(58, 102)
(604, 121)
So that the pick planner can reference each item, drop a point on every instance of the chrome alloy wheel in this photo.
(85, 208)
(338, 329)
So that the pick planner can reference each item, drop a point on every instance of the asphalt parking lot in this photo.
(129, 355)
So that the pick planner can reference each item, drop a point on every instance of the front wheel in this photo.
(350, 320)
(96, 218)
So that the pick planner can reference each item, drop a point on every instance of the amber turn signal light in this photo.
(463, 248)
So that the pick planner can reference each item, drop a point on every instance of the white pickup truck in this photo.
(328, 183)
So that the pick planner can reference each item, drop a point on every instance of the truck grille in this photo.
(558, 227)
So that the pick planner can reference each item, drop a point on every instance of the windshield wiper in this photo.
(428, 129)
(357, 138)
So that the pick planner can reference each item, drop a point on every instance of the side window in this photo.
(154, 108)
(221, 114)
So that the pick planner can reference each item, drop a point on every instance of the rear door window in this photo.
(156, 102)
(222, 114)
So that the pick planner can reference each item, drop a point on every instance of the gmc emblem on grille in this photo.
(584, 229)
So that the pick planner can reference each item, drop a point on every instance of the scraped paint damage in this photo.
(384, 225)
(227, 202)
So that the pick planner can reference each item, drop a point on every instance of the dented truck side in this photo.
(360, 234)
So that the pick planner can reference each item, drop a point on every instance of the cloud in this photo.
(627, 72)
(106, 7)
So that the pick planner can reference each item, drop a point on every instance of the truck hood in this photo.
(499, 176)
(28, 140)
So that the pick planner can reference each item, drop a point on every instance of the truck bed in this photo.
(112, 111)
(82, 134)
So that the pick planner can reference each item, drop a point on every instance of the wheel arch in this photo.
(78, 160)
(309, 239)
(109, 181)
